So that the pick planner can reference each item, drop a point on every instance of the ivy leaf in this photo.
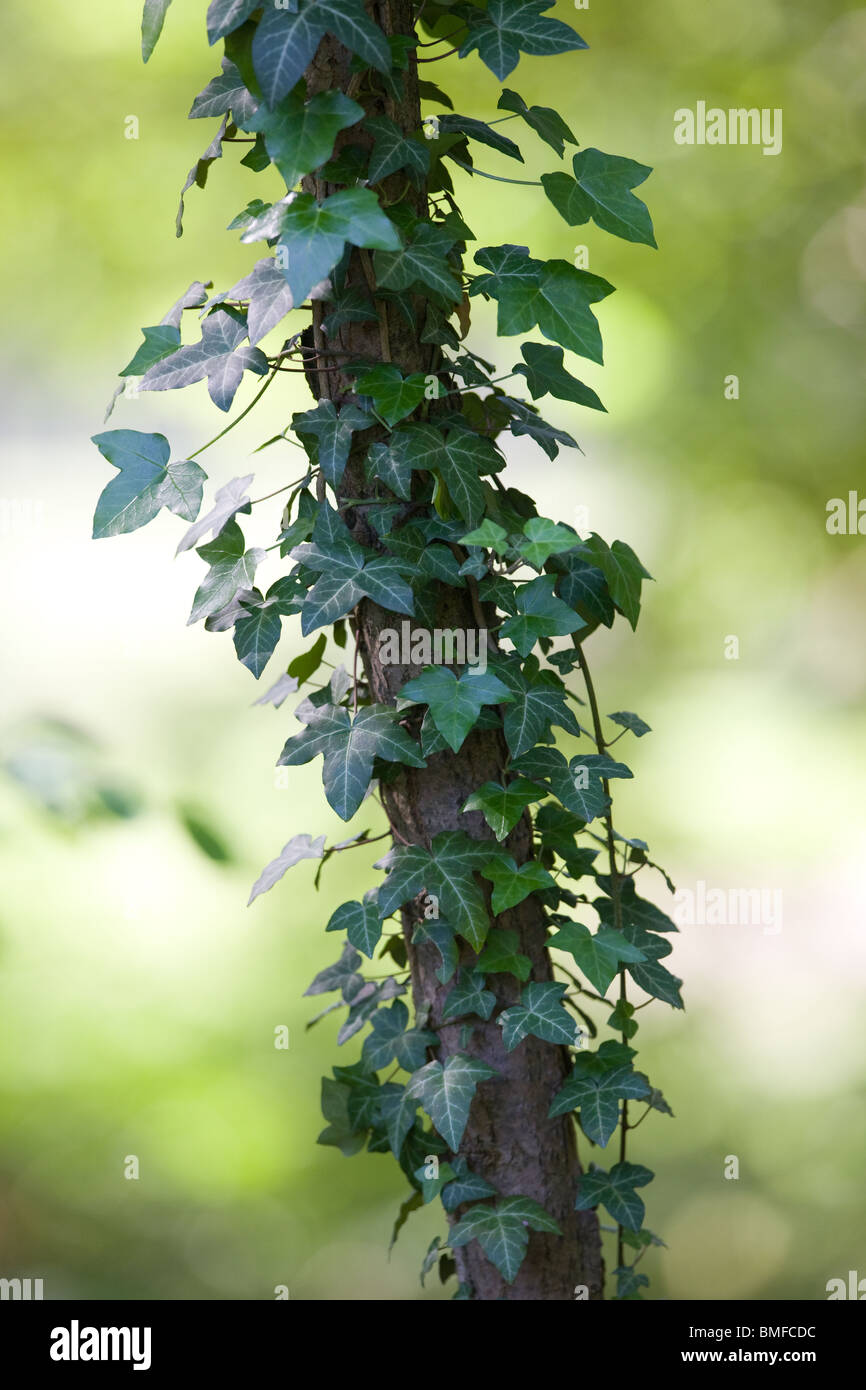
(228, 501)
(501, 806)
(502, 1233)
(225, 93)
(146, 482)
(488, 534)
(299, 135)
(223, 16)
(599, 957)
(362, 925)
(544, 371)
(152, 21)
(627, 720)
(539, 701)
(539, 614)
(279, 692)
(629, 1281)
(649, 975)
(232, 567)
(553, 294)
(341, 1132)
(467, 456)
(446, 872)
(502, 955)
(333, 433)
(393, 1040)
(270, 298)
(622, 570)
(584, 588)
(398, 1111)
(347, 576)
(218, 356)
(478, 130)
(511, 27)
(199, 171)
(468, 996)
(600, 189)
(286, 43)
(421, 261)
(298, 848)
(349, 748)
(393, 151)
(314, 235)
(577, 788)
(542, 119)
(541, 1013)
(466, 1186)
(394, 395)
(446, 1092)
(455, 704)
(257, 634)
(512, 884)
(595, 1088)
(159, 341)
(616, 1190)
(545, 538)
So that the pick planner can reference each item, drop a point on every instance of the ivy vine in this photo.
(399, 499)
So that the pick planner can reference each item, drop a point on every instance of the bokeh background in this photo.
(138, 996)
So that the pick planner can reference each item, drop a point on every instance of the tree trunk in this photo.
(509, 1140)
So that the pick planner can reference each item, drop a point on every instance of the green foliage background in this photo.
(138, 997)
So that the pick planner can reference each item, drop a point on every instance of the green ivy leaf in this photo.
(478, 130)
(616, 1190)
(599, 957)
(393, 1040)
(447, 873)
(152, 21)
(223, 16)
(502, 955)
(225, 93)
(544, 371)
(393, 150)
(159, 341)
(539, 614)
(510, 27)
(501, 806)
(468, 996)
(502, 1233)
(146, 483)
(299, 135)
(362, 925)
(545, 538)
(541, 1013)
(422, 261)
(314, 235)
(546, 122)
(218, 355)
(627, 720)
(600, 189)
(466, 1186)
(349, 748)
(455, 703)
(553, 294)
(394, 395)
(539, 701)
(512, 884)
(622, 570)
(333, 434)
(595, 1088)
(446, 1092)
(232, 567)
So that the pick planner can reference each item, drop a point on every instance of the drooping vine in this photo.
(450, 619)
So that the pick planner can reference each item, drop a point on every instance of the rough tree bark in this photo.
(509, 1140)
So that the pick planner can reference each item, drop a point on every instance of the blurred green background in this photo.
(138, 997)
